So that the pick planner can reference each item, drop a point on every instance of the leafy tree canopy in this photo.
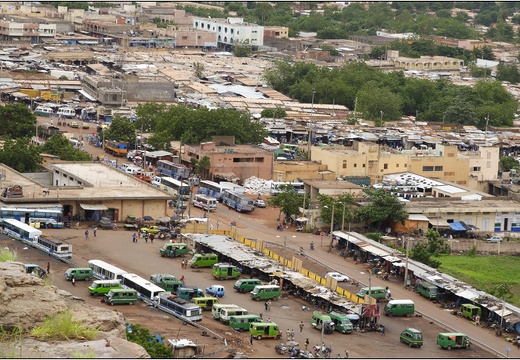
(16, 120)
(508, 162)
(343, 209)
(122, 129)
(288, 201)
(60, 146)
(379, 207)
(21, 155)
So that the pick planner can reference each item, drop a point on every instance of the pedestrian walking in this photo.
(292, 335)
(269, 305)
(73, 281)
(211, 227)
(134, 237)
(266, 305)
(306, 343)
(48, 268)
(288, 334)
(151, 238)
(145, 238)
(251, 338)
(86, 234)
(217, 224)
(301, 327)
(182, 279)
(94, 231)
(183, 264)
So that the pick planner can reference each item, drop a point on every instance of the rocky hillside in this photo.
(25, 302)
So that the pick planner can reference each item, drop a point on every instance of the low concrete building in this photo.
(87, 190)
(307, 170)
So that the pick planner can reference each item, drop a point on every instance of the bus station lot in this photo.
(117, 248)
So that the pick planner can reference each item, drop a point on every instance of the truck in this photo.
(166, 281)
(116, 148)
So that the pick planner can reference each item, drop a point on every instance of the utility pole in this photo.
(310, 126)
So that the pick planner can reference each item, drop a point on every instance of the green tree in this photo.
(502, 291)
(142, 336)
(374, 101)
(121, 129)
(161, 140)
(242, 49)
(20, 154)
(436, 244)
(287, 200)
(60, 146)
(16, 120)
(508, 73)
(508, 162)
(421, 253)
(380, 207)
(202, 166)
(148, 115)
(343, 209)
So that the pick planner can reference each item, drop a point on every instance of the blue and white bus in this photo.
(180, 307)
(240, 203)
(276, 187)
(33, 237)
(105, 271)
(175, 187)
(51, 217)
(145, 289)
(171, 169)
(205, 202)
(210, 188)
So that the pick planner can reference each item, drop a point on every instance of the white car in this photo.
(494, 239)
(337, 276)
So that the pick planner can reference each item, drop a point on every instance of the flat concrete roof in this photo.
(323, 184)
(107, 183)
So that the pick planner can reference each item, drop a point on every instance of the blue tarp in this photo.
(457, 226)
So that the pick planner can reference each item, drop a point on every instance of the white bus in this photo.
(105, 271)
(210, 188)
(33, 237)
(175, 187)
(171, 169)
(145, 289)
(51, 217)
(205, 202)
(276, 187)
(180, 307)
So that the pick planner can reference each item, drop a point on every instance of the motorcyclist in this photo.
(312, 245)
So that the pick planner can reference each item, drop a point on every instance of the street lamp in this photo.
(310, 124)
(369, 282)
(331, 225)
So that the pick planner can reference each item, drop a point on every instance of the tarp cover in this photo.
(93, 207)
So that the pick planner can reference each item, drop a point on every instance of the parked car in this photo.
(494, 239)
(151, 229)
(74, 124)
(259, 203)
(337, 276)
(215, 290)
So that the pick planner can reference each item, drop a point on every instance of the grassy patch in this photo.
(11, 343)
(485, 272)
(7, 254)
(62, 327)
(90, 354)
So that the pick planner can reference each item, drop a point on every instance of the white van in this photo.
(125, 166)
(156, 181)
(131, 170)
(66, 112)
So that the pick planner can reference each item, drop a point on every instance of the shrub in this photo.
(7, 255)
(62, 327)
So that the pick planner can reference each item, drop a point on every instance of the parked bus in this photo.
(51, 217)
(20, 230)
(184, 308)
(277, 187)
(33, 237)
(210, 188)
(175, 187)
(171, 169)
(56, 248)
(146, 290)
(240, 203)
(205, 202)
(105, 271)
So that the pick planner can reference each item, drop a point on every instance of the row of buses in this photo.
(33, 237)
(147, 291)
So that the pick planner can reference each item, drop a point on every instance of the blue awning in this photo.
(457, 226)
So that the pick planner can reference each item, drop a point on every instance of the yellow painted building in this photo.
(446, 162)
(307, 170)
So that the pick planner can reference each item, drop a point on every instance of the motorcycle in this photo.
(312, 245)
(280, 349)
